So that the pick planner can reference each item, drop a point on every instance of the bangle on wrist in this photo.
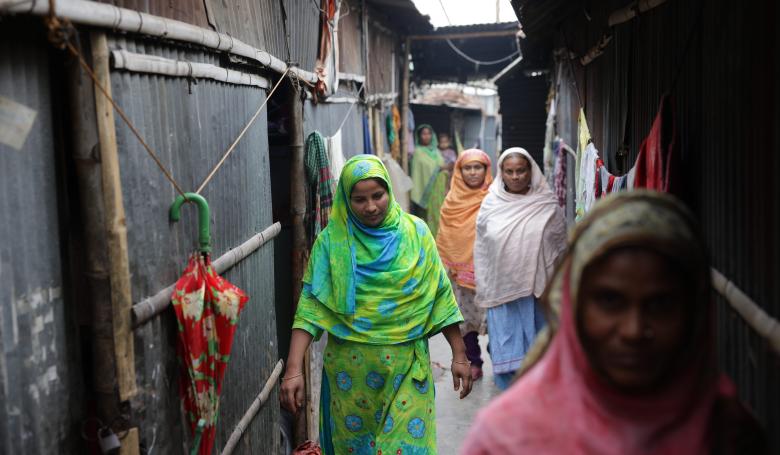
(292, 377)
(461, 362)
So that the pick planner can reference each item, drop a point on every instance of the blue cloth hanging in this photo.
(367, 149)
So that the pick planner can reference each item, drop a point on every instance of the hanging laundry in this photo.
(393, 124)
(401, 182)
(367, 148)
(319, 186)
(583, 137)
(561, 160)
(550, 152)
(586, 182)
(410, 129)
(336, 156)
(658, 153)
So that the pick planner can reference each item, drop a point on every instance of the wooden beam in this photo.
(465, 35)
(116, 225)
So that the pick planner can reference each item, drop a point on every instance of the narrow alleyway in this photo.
(454, 416)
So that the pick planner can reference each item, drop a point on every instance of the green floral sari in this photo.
(380, 293)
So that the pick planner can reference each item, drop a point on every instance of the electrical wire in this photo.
(511, 56)
(472, 59)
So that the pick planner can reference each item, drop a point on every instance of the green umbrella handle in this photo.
(204, 229)
(198, 429)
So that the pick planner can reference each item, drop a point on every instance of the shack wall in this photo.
(40, 387)
(190, 127)
(722, 85)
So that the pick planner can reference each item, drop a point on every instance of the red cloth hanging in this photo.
(207, 308)
(658, 153)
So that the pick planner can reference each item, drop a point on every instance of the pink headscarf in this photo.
(562, 406)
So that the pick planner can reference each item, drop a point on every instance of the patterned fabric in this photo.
(393, 125)
(474, 316)
(380, 293)
(207, 309)
(372, 403)
(319, 196)
(561, 160)
(382, 285)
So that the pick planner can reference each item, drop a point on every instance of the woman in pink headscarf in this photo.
(630, 366)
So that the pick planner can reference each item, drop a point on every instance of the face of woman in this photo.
(516, 173)
(425, 136)
(631, 318)
(473, 174)
(369, 201)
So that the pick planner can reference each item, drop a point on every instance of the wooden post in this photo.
(115, 225)
(297, 209)
(404, 133)
(97, 287)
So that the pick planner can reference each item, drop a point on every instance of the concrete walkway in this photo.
(453, 415)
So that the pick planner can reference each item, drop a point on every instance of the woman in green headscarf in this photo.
(376, 284)
(429, 176)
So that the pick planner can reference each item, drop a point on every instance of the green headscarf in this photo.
(426, 166)
(432, 149)
(381, 285)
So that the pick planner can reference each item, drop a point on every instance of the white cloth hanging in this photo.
(336, 156)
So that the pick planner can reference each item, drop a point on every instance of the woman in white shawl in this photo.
(521, 233)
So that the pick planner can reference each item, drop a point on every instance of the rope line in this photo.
(349, 111)
(241, 135)
(59, 34)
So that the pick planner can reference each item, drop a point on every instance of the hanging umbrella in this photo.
(207, 308)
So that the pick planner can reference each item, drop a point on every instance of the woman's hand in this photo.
(461, 377)
(461, 368)
(292, 392)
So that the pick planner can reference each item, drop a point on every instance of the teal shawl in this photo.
(381, 285)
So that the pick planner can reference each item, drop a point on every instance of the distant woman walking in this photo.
(376, 284)
(455, 241)
(429, 177)
(521, 233)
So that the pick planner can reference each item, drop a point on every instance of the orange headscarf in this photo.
(458, 224)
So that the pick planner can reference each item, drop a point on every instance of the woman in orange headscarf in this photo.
(455, 241)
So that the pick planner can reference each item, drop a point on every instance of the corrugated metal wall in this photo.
(724, 84)
(190, 132)
(350, 38)
(40, 401)
(326, 118)
(259, 23)
(381, 65)
(523, 112)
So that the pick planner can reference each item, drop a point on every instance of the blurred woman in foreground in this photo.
(630, 366)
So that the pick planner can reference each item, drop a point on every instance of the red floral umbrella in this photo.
(207, 308)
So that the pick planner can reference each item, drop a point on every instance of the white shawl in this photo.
(519, 238)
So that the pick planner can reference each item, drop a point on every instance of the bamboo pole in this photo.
(151, 307)
(404, 133)
(254, 408)
(754, 315)
(97, 287)
(130, 443)
(297, 209)
(116, 227)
